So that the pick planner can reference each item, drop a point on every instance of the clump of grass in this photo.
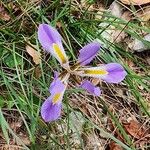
(23, 92)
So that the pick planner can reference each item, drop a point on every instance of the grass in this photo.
(22, 92)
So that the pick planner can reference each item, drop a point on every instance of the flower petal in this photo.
(51, 108)
(111, 73)
(56, 86)
(50, 111)
(50, 39)
(57, 91)
(116, 73)
(87, 85)
(88, 52)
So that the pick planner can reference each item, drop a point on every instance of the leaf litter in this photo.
(4, 15)
(36, 56)
(16, 124)
(135, 2)
(88, 106)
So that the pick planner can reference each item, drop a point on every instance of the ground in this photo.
(118, 119)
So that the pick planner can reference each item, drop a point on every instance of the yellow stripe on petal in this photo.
(59, 53)
(56, 98)
(95, 72)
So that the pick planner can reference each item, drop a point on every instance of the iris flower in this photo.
(51, 42)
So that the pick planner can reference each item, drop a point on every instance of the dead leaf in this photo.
(25, 139)
(59, 24)
(135, 2)
(127, 15)
(135, 129)
(4, 14)
(148, 60)
(118, 36)
(85, 4)
(144, 16)
(130, 63)
(37, 72)
(10, 147)
(34, 1)
(34, 54)
(15, 125)
(92, 141)
(114, 146)
(96, 81)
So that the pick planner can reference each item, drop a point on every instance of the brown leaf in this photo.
(127, 15)
(37, 72)
(15, 125)
(135, 129)
(130, 63)
(10, 147)
(34, 54)
(96, 81)
(144, 16)
(59, 24)
(148, 60)
(114, 146)
(34, 1)
(25, 139)
(3, 14)
(135, 2)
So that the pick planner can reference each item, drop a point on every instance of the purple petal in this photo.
(50, 39)
(88, 52)
(56, 74)
(87, 85)
(56, 86)
(48, 35)
(116, 73)
(50, 111)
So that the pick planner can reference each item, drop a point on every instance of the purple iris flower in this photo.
(50, 40)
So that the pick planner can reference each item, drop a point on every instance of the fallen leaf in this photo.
(114, 146)
(135, 129)
(148, 60)
(118, 36)
(34, 1)
(135, 2)
(59, 24)
(144, 16)
(4, 14)
(92, 141)
(15, 125)
(96, 81)
(25, 139)
(127, 15)
(37, 72)
(10, 147)
(130, 63)
(85, 4)
(34, 54)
